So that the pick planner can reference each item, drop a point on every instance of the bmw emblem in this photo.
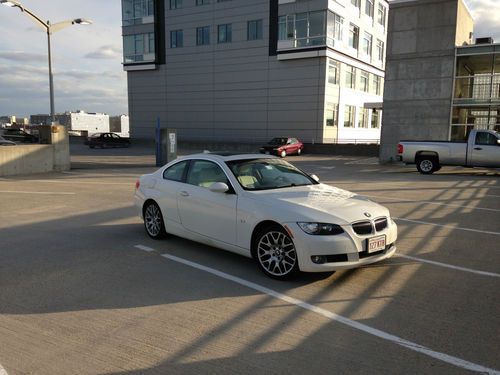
(367, 214)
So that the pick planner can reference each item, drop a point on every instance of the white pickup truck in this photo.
(482, 149)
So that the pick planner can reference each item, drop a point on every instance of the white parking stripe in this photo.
(3, 371)
(482, 273)
(447, 226)
(38, 192)
(455, 361)
(429, 202)
(144, 248)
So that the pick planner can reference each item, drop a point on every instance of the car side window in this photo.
(483, 138)
(175, 172)
(115, 136)
(204, 173)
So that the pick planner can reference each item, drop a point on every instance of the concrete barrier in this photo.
(28, 159)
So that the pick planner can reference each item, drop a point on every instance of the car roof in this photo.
(227, 156)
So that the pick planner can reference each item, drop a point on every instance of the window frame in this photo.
(258, 32)
(179, 42)
(200, 32)
(228, 33)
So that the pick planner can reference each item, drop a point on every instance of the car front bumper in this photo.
(343, 251)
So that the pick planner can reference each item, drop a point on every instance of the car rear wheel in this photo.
(283, 153)
(427, 164)
(153, 221)
(275, 253)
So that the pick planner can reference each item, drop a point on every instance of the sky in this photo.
(88, 74)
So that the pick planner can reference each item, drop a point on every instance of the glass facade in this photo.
(136, 12)
(139, 48)
(476, 97)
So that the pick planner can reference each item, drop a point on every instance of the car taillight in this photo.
(137, 184)
(400, 148)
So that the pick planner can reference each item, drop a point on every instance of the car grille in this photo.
(362, 227)
(380, 224)
(366, 227)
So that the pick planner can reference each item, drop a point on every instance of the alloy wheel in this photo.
(153, 220)
(276, 253)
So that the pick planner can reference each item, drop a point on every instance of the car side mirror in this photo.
(314, 177)
(219, 187)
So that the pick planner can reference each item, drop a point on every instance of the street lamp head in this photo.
(9, 3)
(81, 21)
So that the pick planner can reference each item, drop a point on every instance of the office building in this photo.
(438, 85)
(249, 70)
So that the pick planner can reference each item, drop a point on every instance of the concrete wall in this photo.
(419, 72)
(28, 159)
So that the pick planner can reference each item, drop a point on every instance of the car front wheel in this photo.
(283, 153)
(153, 221)
(275, 253)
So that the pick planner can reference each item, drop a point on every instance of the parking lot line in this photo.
(3, 371)
(38, 192)
(430, 202)
(455, 361)
(447, 226)
(482, 273)
(74, 182)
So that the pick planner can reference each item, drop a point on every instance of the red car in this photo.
(283, 146)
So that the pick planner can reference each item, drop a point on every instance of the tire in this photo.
(275, 253)
(91, 146)
(427, 164)
(153, 221)
(299, 151)
(283, 153)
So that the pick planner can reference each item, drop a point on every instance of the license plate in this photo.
(375, 244)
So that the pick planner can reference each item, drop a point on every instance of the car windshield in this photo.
(278, 141)
(264, 174)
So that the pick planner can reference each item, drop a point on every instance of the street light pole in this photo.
(49, 29)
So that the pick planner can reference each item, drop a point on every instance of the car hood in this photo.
(320, 203)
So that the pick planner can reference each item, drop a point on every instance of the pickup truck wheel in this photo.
(427, 164)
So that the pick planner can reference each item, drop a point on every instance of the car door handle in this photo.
(184, 193)
(477, 148)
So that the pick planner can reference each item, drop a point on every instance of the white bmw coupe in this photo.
(265, 208)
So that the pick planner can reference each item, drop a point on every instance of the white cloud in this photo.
(105, 52)
(486, 15)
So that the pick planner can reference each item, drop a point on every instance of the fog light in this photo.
(318, 259)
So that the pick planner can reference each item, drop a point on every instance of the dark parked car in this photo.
(18, 135)
(107, 140)
(283, 146)
(4, 142)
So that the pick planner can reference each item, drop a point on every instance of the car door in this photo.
(169, 187)
(486, 150)
(205, 212)
(117, 142)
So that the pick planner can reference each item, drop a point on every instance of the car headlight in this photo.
(321, 229)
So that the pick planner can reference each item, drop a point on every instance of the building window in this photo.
(356, 3)
(377, 84)
(224, 33)
(367, 44)
(364, 81)
(369, 8)
(139, 48)
(381, 12)
(176, 39)
(254, 30)
(333, 72)
(338, 28)
(380, 50)
(353, 36)
(332, 114)
(349, 116)
(133, 11)
(350, 77)
(363, 118)
(175, 4)
(202, 35)
(202, 2)
(375, 119)
(303, 29)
